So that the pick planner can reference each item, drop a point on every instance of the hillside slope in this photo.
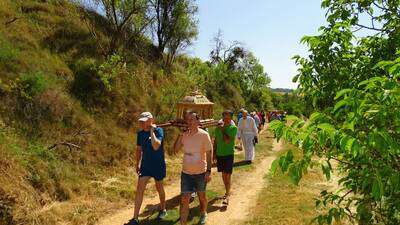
(66, 139)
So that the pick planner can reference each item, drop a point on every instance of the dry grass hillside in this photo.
(66, 139)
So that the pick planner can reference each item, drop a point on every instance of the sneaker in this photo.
(225, 200)
(162, 214)
(193, 195)
(203, 219)
(132, 222)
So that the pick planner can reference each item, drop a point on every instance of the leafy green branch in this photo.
(362, 133)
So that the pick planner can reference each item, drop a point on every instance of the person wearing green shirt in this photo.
(225, 135)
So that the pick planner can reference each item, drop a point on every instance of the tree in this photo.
(225, 53)
(174, 25)
(353, 84)
(127, 18)
(361, 134)
(338, 59)
(241, 71)
(291, 102)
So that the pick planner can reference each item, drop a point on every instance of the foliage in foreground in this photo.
(362, 134)
(352, 82)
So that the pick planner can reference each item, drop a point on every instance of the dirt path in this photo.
(244, 196)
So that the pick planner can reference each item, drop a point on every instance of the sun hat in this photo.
(144, 116)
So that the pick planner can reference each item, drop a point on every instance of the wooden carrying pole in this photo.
(181, 123)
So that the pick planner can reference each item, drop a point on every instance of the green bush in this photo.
(40, 101)
(8, 54)
(31, 85)
(101, 85)
(361, 136)
(111, 71)
(87, 86)
(7, 51)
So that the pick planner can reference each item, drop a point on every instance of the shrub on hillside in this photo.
(31, 85)
(86, 85)
(111, 71)
(55, 105)
(26, 89)
(100, 86)
(40, 100)
(7, 54)
(127, 116)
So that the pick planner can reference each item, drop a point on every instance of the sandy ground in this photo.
(243, 198)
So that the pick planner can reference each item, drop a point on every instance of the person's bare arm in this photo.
(209, 160)
(209, 153)
(138, 158)
(155, 142)
(225, 136)
(178, 143)
(209, 165)
(214, 155)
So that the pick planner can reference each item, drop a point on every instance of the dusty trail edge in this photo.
(245, 191)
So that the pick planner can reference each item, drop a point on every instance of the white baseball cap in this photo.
(144, 116)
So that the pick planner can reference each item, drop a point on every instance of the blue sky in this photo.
(271, 29)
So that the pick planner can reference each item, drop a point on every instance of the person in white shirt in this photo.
(247, 132)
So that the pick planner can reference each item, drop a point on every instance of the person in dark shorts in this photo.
(150, 163)
(225, 143)
(196, 170)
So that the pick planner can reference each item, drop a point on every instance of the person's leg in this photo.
(141, 186)
(223, 178)
(203, 202)
(220, 167)
(227, 182)
(247, 143)
(184, 208)
(201, 186)
(161, 194)
(252, 153)
(187, 187)
(203, 206)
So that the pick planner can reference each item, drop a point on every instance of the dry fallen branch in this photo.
(11, 21)
(68, 144)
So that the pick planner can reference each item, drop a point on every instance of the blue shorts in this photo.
(157, 175)
(193, 183)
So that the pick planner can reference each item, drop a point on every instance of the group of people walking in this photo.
(199, 154)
